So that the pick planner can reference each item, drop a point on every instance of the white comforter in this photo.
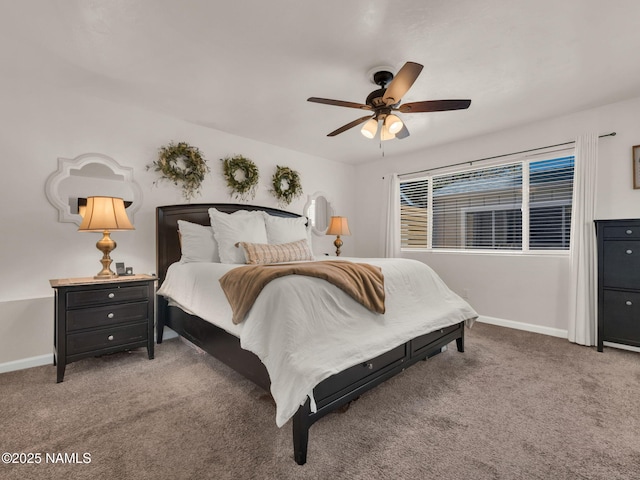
(304, 329)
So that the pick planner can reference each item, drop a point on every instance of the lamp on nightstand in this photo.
(338, 226)
(105, 214)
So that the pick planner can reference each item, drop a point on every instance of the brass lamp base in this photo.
(338, 244)
(106, 245)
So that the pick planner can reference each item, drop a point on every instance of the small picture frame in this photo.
(635, 152)
(120, 268)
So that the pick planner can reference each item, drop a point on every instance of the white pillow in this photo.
(240, 226)
(285, 230)
(197, 243)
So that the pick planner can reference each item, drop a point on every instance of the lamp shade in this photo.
(385, 134)
(338, 226)
(370, 128)
(393, 123)
(105, 213)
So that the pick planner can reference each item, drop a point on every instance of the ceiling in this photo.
(247, 67)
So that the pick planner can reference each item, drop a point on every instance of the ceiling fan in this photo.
(386, 100)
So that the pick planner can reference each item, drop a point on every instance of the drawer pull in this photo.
(110, 337)
(629, 232)
(628, 302)
(629, 252)
(111, 315)
(369, 366)
(112, 295)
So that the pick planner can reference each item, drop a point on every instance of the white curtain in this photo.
(583, 287)
(391, 236)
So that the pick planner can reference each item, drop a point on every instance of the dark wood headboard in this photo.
(167, 240)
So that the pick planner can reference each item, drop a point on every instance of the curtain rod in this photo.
(471, 162)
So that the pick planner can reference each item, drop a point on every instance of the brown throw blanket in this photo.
(363, 282)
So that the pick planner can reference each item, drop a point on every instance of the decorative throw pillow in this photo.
(240, 226)
(197, 243)
(260, 253)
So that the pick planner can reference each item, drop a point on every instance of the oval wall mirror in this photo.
(318, 210)
(88, 175)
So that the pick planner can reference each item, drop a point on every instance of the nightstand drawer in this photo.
(106, 315)
(625, 231)
(107, 295)
(106, 338)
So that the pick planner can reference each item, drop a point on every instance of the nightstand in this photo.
(95, 317)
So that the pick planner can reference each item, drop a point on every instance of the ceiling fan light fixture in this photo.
(370, 128)
(393, 124)
(380, 103)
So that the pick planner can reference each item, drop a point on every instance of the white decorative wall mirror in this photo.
(88, 175)
(318, 210)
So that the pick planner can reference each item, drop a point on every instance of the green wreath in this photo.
(183, 165)
(244, 187)
(286, 185)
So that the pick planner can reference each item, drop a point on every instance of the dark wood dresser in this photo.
(96, 317)
(618, 282)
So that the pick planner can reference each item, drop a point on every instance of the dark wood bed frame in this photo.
(332, 393)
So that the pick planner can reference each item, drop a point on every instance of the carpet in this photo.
(514, 405)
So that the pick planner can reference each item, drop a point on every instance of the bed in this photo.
(336, 388)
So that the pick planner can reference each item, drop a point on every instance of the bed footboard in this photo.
(340, 389)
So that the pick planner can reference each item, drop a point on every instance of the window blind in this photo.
(550, 195)
(414, 203)
(478, 209)
(522, 205)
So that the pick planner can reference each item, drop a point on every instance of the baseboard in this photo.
(528, 327)
(168, 334)
(23, 363)
(47, 359)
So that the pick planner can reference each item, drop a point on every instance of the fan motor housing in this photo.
(382, 78)
(375, 98)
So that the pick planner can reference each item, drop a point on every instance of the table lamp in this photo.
(105, 214)
(338, 226)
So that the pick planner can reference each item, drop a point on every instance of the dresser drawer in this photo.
(106, 315)
(107, 295)
(359, 372)
(621, 316)
(622, 231)
(621, 261)
(106, 338)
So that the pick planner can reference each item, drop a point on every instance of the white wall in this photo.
(529, 291)
(40, 124)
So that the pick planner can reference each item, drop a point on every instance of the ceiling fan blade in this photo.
(346, 127)
(339, 103)
(401, 83)
(403, 133)
(434, 106)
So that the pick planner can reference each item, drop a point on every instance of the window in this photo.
(550, 195)
(519, 206)
(413, 213)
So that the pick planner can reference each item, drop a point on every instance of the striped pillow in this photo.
(260, 253)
